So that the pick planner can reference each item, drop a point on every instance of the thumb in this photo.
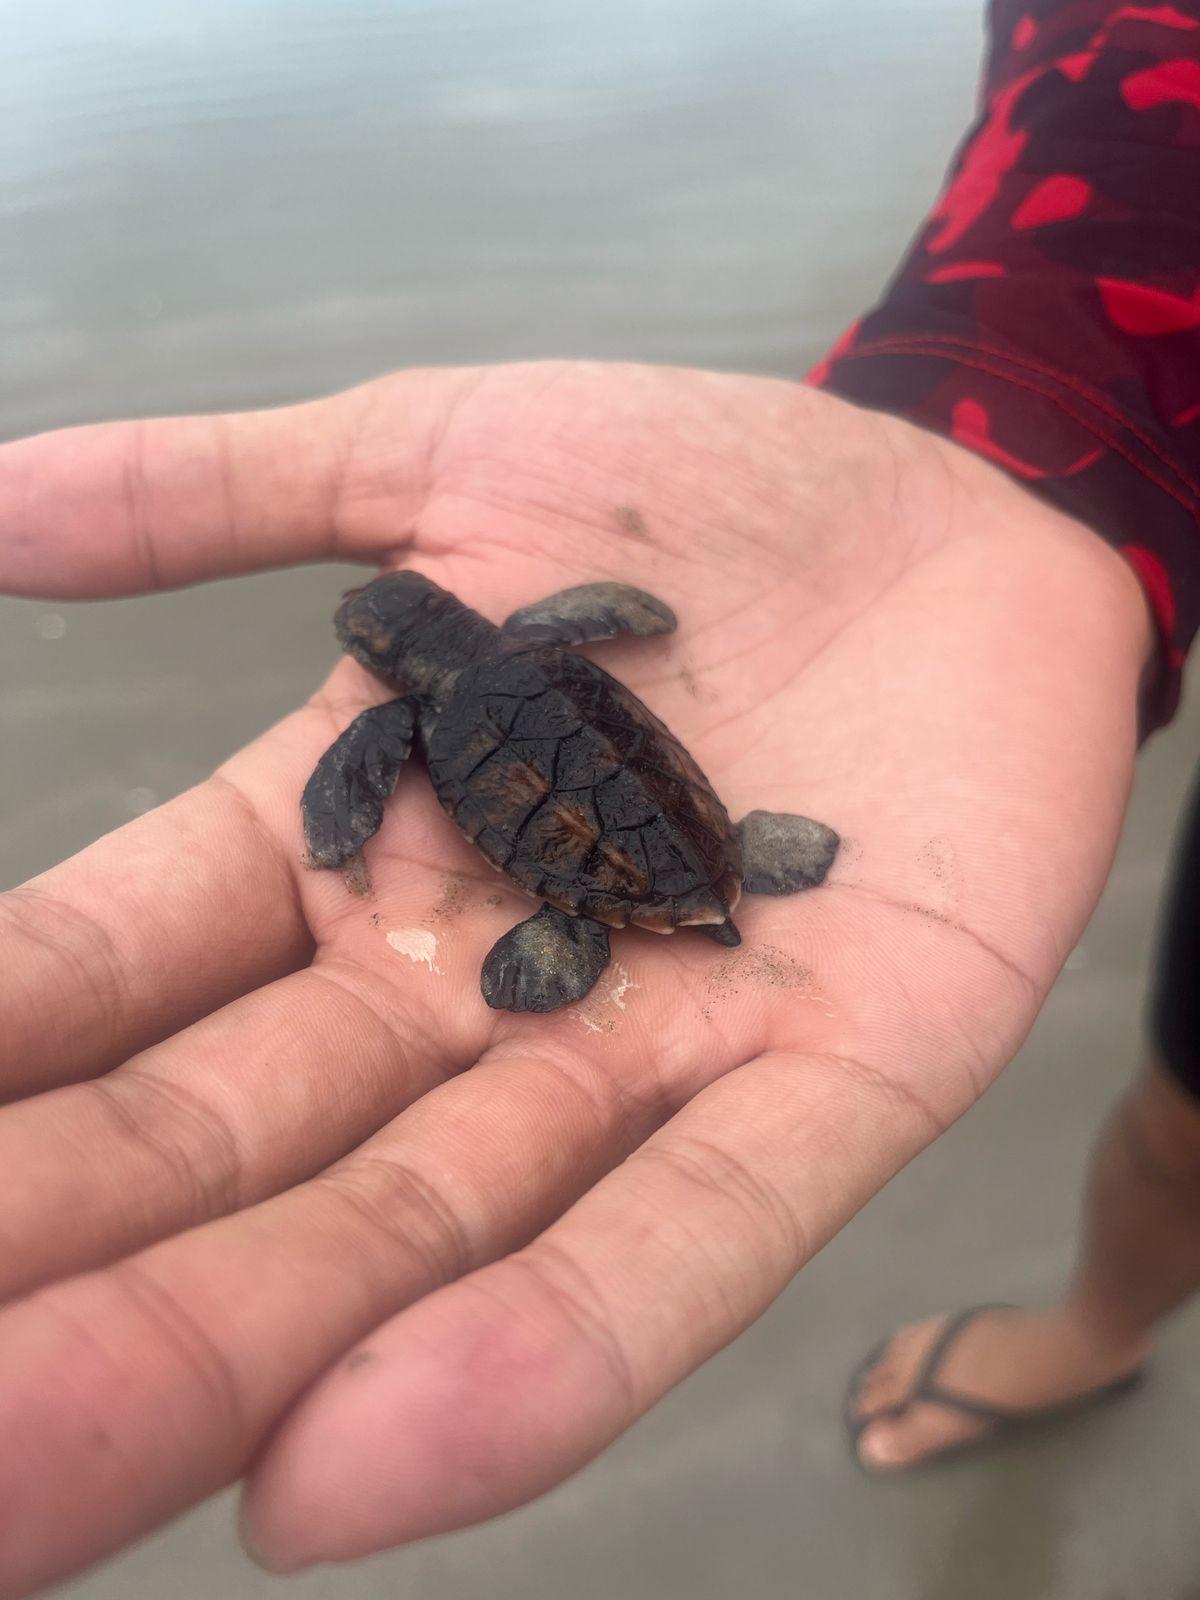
(125, 507)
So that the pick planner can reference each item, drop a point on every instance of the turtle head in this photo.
(411, 634)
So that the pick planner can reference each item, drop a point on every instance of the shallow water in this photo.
(224, 203)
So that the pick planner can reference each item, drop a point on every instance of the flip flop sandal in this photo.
(1001, 1420)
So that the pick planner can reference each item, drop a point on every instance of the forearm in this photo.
(1048, 313)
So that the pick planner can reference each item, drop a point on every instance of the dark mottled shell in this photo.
(568, 784)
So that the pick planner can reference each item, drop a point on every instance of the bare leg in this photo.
(1141, 1249)
(1139, 1260)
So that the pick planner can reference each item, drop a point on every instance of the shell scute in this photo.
(569, 784)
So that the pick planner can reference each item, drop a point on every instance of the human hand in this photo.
(256, 1216)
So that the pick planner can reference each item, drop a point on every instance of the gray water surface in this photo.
(217, 204)
(223, 203)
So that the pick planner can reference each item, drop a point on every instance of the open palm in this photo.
(256, 1216)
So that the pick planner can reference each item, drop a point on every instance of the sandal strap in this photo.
(927, 1385)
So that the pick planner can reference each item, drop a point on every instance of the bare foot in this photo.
(1011, 1359)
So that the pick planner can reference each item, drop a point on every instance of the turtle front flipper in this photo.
(547, 961)
(783, 854)
(342, 803)
(590, 611)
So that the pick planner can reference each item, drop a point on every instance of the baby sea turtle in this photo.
(556, 772)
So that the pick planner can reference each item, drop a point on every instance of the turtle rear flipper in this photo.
(590, 611)
(342, 803)
(547, 961)
(783, 854)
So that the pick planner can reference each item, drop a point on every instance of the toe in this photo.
(881, 1444)
(921, 1433)
(888, 1382)
(885, 1388)
(874, 1392)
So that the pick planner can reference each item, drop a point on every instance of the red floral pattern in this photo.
(1048, 313)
